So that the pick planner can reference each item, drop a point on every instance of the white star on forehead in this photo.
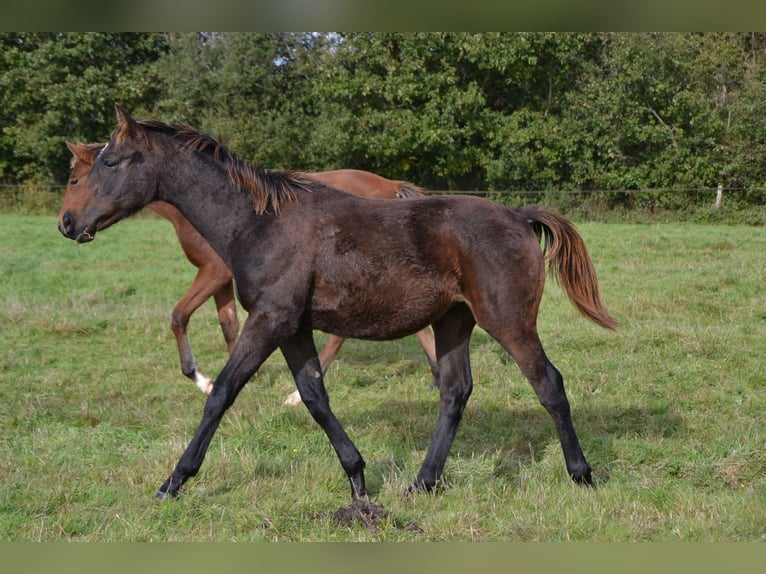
(102, 152)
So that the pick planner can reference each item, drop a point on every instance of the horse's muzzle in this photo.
(68, 228)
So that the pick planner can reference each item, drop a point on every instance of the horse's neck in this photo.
(169, 212)
(212, 205)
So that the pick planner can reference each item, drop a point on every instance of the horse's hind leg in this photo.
(426, 338)
(226, 305)
(452, 333)
(301, 357)
(330, 351)
(548, 384)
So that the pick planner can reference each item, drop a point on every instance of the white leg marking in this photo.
(203, 383)
(293, 399)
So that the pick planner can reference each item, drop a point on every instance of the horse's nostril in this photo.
(66, 226)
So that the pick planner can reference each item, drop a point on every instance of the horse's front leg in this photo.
(301, 356)
(253, 347)
(205, 284)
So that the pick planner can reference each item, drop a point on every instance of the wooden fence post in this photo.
(718, 196)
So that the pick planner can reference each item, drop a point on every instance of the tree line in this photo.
(548, 112)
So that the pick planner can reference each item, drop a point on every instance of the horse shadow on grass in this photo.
(514, 433)
(514, 436)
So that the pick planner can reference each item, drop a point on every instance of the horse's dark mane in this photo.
(267, 187)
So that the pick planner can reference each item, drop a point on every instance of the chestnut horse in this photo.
(305, 256)
(214, 279)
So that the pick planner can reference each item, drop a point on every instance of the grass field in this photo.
(670, 410)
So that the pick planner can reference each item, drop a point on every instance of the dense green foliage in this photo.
(545, 112)
(57, 86)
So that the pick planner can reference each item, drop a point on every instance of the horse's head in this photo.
(83, 156)
(108, 181)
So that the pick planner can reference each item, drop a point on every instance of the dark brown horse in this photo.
(214, 279)
(305, 256)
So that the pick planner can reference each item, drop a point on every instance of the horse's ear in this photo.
(128, 127)
(80, 151)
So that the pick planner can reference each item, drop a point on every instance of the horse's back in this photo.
(429, 224)
(358, 182)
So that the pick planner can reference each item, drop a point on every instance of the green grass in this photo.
(670, 410)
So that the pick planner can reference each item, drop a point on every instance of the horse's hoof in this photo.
(293, 399)
(167, 490)
(420, 486)
(583, 478)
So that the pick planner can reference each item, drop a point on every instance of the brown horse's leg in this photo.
(203, 286)
(301, 356)
(330, 351)
(426, 338)
(528, 353)
(331, 348)
(226, 305)
(252, 349)
(452, 333)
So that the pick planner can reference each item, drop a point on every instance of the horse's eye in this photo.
(73, 181)
(109, 163)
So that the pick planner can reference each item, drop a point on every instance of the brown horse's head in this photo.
(83, 156)
(105, 186)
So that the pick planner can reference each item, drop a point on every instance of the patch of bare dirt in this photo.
(368, 514)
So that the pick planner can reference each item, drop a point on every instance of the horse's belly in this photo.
(377, 315)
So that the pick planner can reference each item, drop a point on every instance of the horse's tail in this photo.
(569, 262)
(406, 189)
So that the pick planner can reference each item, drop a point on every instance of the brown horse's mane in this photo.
(267, 187)
(407, 189)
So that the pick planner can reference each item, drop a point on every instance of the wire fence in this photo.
(31, 199)
(46, 199)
